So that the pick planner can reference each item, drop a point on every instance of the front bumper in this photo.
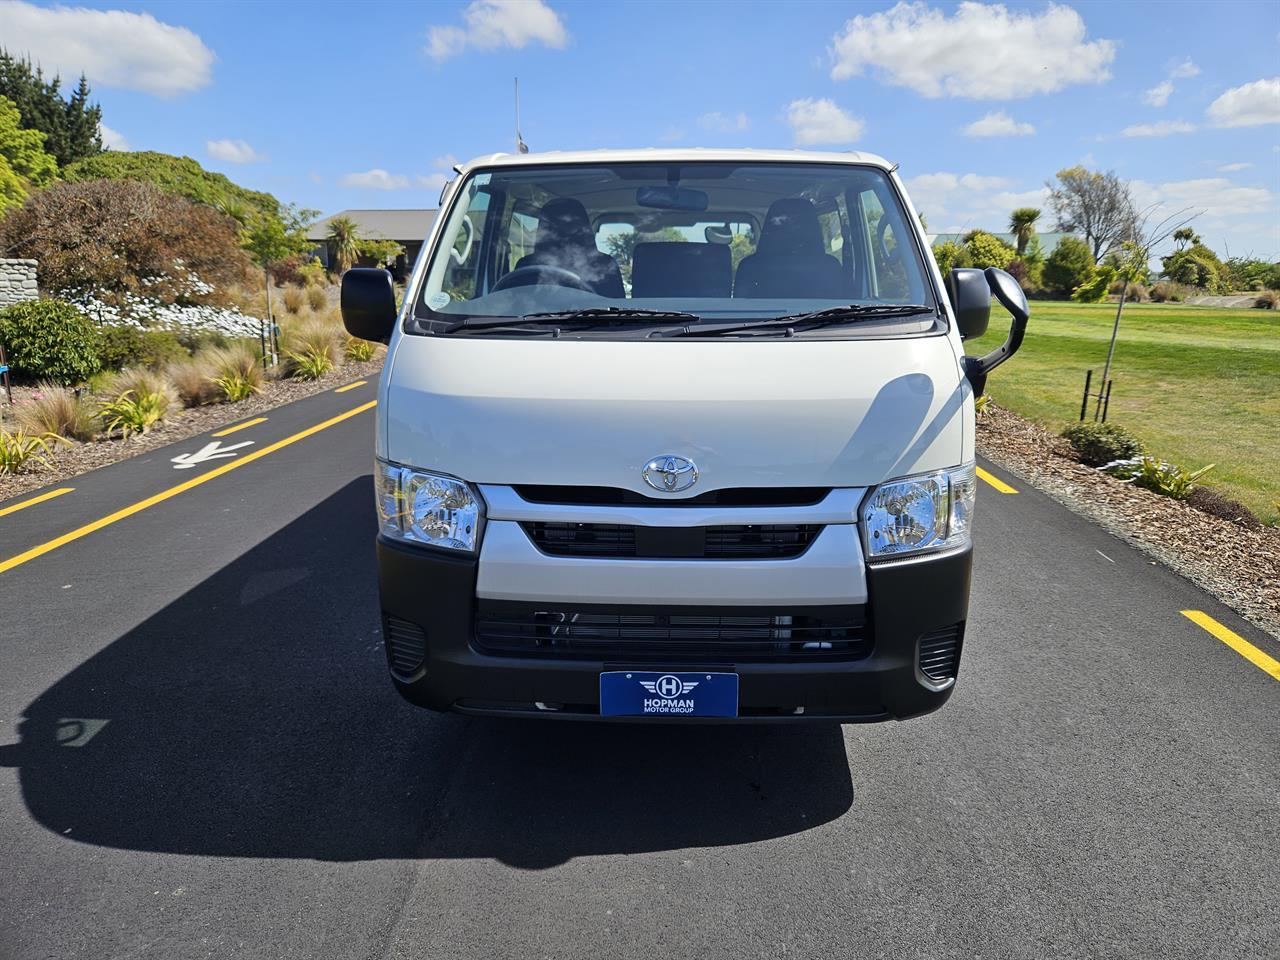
(436, 593)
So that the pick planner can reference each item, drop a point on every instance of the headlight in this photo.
(919, 514)
(422, 507)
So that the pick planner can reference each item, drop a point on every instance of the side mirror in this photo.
(1011, 297)
(970, 297)
(368, 304)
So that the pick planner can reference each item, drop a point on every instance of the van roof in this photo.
(675, 155)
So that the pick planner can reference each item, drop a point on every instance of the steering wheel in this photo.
(886, 255)
(542, 273)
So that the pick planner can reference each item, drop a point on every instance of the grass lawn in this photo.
(1198, 385)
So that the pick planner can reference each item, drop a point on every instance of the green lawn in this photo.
(1199, 385)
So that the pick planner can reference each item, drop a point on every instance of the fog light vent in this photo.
(406, 645)
(940, 653)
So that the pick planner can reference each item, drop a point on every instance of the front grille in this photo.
(728, 497)
(689, 635)
(406, 645)
(940, 653)
(770, 541)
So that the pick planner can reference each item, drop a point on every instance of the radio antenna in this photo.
(521, 146)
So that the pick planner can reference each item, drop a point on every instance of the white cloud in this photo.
(446, 161)
(969, 200)
(431, 181)
(1161, 128)
(671, 135)
(1234, 167)
(112, 139)
(494, 24)
(1216, 196)
(376, 179)
(1184, 70)
(1158, 95)
(233, 151)
(721, 123)
(113, 48)
(998, 124)
(1250, 105)
(315, 177)
(822, 121)
(981, 52)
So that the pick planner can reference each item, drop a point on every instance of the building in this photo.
(1047, 240)
(409, 228)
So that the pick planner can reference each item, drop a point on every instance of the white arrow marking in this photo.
(210, 451)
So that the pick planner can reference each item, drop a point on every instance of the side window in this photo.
(888, 272)
(464, 255)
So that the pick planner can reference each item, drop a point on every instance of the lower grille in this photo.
(770, 541)
(940, 653)
(406, 645)
(672, 635)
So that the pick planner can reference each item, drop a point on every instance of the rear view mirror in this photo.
(672, 198)
(368, 304)
(963, 290)
(970, 297)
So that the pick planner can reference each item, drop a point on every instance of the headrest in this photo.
(564, 222)
(791, 227)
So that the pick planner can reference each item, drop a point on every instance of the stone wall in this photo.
(17, 281)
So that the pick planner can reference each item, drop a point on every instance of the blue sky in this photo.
(336, 105)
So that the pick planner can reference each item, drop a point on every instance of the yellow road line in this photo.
(163, 495)
(1263, 661)
(240, 426)
(5, 511)
(995, 481)
(351, 386)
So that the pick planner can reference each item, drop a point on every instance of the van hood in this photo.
(764, 413)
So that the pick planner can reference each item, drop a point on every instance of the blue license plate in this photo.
(632, 693)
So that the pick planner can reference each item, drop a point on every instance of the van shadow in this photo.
(252, 718)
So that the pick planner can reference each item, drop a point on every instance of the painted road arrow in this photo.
(210, 451)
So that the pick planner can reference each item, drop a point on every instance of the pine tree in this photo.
(70, 127)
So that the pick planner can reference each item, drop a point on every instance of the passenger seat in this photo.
(681, 270)
(789, 261)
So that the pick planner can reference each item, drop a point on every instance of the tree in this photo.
(1068, 266)
(380, 252)
(1097, 205)
(72, 128)
(344, 243)
(1022, 223)
(1184, 235)
(115, 239)
(1196, 266)
(23, 161)
(987, 250)
(268, 240)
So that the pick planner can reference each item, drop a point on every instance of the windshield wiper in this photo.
(845, 313)
(587, 316)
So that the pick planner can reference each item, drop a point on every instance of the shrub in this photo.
(987, 250)
(359, 350)
(317, 298)
(1166, 292)
(1133, 292)
(950, 255)
(1098, 443)
(294, 298)
(49, 338)
(1068, 266)
(194, 383)
(314, 274)
(58, 411)
(1268, 300)
(125, 345)
(114, 238)
(1196, 266)
(236, 372)
(18, 450)
(1094, 288)
(140, 398)
(311, 349)
(1224, 508)
(1158, 476)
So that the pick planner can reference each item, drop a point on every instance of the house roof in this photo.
(404, 226)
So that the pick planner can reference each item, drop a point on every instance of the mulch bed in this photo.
(1238, 561)
(69, 461)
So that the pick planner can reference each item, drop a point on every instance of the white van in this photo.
(677, 434)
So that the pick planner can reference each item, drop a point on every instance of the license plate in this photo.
(633, 693)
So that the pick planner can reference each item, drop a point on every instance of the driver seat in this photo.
(565, 239)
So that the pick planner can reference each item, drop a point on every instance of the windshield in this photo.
(718, 241)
